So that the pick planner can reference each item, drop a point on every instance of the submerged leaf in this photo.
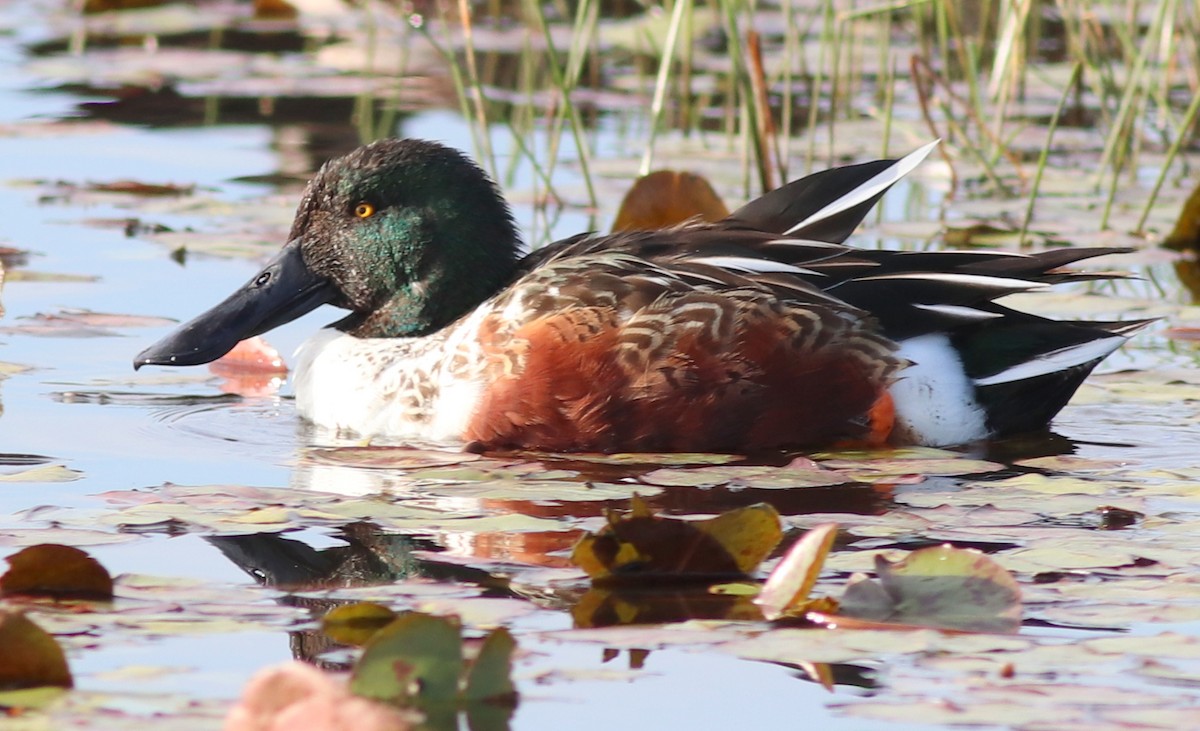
(627, 605)
(789, 584)
(941, 586)
(56, 571)
(642, 546)
(356, 624)
(32, 658)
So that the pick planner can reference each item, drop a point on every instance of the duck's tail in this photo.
(982, 369)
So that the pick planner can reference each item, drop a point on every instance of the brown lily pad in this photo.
(32, 657)
(668, 197)
(56, 571)
(642, 546)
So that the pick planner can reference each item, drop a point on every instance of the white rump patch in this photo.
(873, 187)
(935, 401)
(1056, 360)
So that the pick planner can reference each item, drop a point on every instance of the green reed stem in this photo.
(1185, 129)
(474, 86)
(682, 9)
(1135, 88)
(1022, 238)
(750, 115)
(565, 78)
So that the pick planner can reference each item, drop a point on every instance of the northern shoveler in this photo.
(759, 331)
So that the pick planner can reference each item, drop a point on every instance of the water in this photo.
(134, 442)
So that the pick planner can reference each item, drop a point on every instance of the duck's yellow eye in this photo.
(364, 210)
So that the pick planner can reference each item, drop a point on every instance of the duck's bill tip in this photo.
(284, 290)
(187, 346)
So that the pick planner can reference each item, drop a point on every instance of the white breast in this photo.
(392, 387)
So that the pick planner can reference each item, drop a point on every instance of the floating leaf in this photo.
(414, 660)
(388, 457)
(81, 323)
(57, 571)
(788, 586)
(28, 275)
(356, 624)
(979, 234)
(44, 473)
(668, 197)
(133, 187)
(490, 676)
(1186, 233)
(940, 586)
(755, 476)
(650, 458)
(642, 546)
(32, 658)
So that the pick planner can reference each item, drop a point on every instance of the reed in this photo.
(980, 72)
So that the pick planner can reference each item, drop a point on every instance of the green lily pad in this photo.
(415, 660)
(489, 679)
(940, 586)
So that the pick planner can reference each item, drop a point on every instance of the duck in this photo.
(760, 331)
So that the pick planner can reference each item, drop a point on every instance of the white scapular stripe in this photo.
(1055, 360)
(871, 188)
(982, 281)
(749, 264)
(934, 399)
(966, 313)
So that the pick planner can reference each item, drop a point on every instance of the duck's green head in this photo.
(408, 235)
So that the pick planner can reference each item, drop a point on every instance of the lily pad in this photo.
(57, 571)
(388, 457)
(644, 547)
(489, 678)
(416, 659)
(668, 197)
(356, 624)
(940, 586)
(43, 473)
(787, 588)
(32, 658)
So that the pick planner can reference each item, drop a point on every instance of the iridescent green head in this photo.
(408, 235)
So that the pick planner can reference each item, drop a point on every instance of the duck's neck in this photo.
(443, 294)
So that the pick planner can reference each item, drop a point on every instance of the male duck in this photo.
(761, 330)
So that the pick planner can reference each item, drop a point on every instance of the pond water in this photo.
(223, 603)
